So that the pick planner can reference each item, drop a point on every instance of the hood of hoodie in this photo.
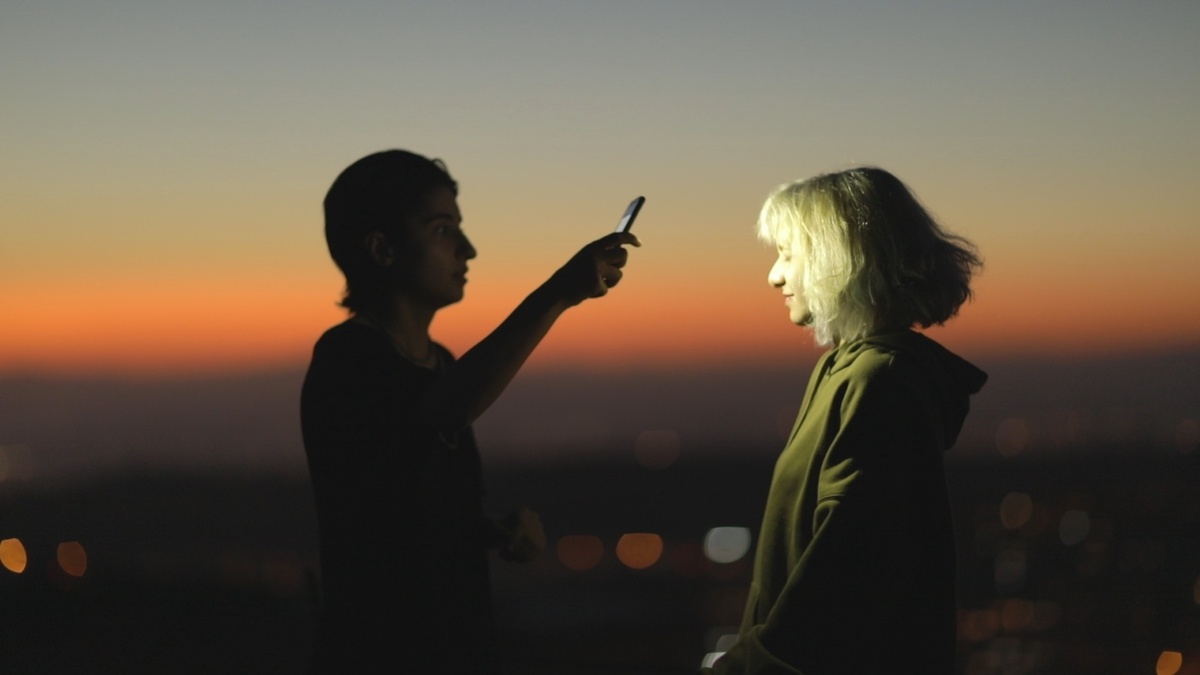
(953, 379)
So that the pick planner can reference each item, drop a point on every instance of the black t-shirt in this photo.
(404, 568)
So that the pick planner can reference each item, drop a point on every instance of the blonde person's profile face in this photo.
(437, 269)
(786, 275)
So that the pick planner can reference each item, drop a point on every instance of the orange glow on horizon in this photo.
(181, 328)
(201, 326)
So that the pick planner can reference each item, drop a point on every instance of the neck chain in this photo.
(427, 361)
(430, 358)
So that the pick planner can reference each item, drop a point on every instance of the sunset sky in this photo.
(162, 166)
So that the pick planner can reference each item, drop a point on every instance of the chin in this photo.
(450, 300)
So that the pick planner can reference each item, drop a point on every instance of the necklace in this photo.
(429, 360)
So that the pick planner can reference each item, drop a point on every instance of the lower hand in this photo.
(527, 537)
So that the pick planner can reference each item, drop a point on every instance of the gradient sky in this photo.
(162, 165)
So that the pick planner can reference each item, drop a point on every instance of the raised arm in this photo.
(476, 380)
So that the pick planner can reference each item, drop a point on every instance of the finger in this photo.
(617, 239)
(613, 278)
(616, 257)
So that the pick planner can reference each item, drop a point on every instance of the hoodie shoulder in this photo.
(909, 365)
(909, 348)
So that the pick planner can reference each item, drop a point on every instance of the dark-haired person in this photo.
(854, 570)
(386, 415)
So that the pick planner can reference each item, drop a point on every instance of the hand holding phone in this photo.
(630, 214)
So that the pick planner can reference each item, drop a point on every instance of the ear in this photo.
(380, 249)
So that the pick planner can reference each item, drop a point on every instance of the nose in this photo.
(465, 249)
(776, 277)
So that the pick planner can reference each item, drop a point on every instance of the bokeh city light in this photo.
(13, 555)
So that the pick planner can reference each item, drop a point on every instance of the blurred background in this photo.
(163, 277)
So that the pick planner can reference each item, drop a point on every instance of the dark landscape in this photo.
(166, 526)
(215, 574)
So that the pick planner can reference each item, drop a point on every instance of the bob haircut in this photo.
(872, 257)
(378, 193)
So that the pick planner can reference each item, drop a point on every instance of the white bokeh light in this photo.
(726, 544)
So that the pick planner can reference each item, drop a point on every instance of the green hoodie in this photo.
(854, 570)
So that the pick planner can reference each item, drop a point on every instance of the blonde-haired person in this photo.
(854, 570)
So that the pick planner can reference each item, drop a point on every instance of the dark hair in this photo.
(378, 193)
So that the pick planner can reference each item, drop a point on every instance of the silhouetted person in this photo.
(386, 415)
(854, 571)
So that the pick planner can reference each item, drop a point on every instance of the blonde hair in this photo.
(873, 257)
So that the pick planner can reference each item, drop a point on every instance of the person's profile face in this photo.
(787, 274)
(436, 251)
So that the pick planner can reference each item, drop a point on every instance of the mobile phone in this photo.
(630, 214)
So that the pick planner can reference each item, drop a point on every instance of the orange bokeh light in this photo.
(1169, 663)
(72, 558)
(978, 625)
(580, 552)
(639, 550)
(13, 556)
